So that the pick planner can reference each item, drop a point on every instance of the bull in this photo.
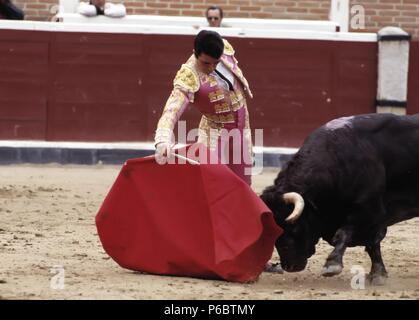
(350, 180)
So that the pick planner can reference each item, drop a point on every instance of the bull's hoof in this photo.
(377, 279)
(332, 270)
(273, 267)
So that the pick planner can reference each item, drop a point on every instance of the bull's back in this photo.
(388, 140)
(395, 140)
(342, 148)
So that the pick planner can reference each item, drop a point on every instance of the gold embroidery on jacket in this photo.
(219, 119)
(236, 97)
(186, 78)
(216, 95)
(221, 107)
(228, 48)
(212, 81)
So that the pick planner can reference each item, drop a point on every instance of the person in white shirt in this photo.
(101, 7)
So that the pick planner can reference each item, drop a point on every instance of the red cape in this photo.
(187, 220)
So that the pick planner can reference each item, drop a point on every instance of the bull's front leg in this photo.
(378, 272)
(341, 240)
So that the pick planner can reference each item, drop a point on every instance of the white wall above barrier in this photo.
(68, 6)
(132, 28)
(197, 22)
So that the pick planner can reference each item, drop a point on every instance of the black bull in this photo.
(351, 179)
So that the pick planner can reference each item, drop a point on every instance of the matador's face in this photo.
(206, 63)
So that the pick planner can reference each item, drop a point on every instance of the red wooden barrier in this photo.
(23, 84)
(73, 86)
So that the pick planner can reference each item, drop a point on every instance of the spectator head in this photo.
(98, 3)
(214, 15)
(208, 48)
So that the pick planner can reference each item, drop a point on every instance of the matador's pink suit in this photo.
(224, 111)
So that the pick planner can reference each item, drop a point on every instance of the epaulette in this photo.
(186, 78)
(228, 49)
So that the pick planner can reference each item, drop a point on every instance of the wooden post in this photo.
(393, 66)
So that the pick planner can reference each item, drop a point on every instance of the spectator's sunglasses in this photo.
(213, 18)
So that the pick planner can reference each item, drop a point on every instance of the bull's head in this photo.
(297, 243)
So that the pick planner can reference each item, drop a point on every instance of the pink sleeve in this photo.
(174, 108)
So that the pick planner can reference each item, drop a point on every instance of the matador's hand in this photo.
(163, 151)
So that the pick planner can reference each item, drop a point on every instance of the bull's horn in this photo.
(298, 202)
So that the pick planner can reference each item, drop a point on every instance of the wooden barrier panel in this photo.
(23, 84)
(299, 85)
(92, 86)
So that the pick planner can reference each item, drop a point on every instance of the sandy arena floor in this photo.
(47, 219)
